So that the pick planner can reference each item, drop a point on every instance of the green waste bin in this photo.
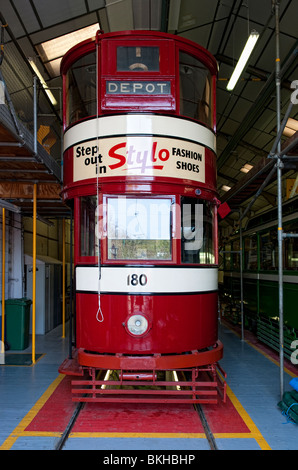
(17, 319)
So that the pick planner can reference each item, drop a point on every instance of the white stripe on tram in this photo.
(154, 280)
(138, 124)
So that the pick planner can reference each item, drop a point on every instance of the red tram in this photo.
(140, 170)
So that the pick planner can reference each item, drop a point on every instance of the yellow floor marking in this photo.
(181, 435)
(255, 433)
(22, 365)
(19, 430)
(233, 435)
(40, 434)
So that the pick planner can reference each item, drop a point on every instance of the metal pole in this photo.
(279, 206)
(63, 278)
(263, 185)
(241, 278)
(3, 281)
(34, 274)
(281, 129)
(70, 293)
(61, 136)
(35, 113)
(290, 235)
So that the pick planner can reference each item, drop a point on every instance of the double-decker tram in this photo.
(140, 170)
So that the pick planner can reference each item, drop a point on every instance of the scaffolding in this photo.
(280, 156)
(34, 153)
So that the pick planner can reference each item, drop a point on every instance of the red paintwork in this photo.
(178, 323)
(204, 384)
(154, 362)
(169, 44)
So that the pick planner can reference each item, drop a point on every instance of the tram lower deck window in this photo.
(197, 237)
(139, 228)
(88, 245)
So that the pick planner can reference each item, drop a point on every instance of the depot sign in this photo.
(139, 156)
(118, 87)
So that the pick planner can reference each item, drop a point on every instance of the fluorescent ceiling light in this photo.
(45, 86)
(291, 127)
(248, 48)
(225, 187)
(246, 168)
(52, 51)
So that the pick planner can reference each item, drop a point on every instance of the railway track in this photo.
(208, 432)
(63, 439)
(60, 444)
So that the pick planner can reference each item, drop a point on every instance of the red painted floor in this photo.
(132, 417)
(138, 418)
(224, 418)
(56, 412)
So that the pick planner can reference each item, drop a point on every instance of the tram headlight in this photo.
(137, 325)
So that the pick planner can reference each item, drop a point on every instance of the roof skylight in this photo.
(51, 52)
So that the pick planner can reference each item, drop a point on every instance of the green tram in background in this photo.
(260, 277)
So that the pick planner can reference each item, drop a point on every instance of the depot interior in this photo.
(257, 121)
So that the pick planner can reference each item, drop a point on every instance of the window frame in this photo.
(209, 123)
(140, 261)
(213, 226)
(67, 96)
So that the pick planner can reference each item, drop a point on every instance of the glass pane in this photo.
(291, 248)
(139, 228)
(137, 59)
(197, 238)
(269, 250)
(195, 89)
(81, 89)
(88, 239)
(251, 253)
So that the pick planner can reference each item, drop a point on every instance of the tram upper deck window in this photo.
(197, 238)
(139, 228)
(137, 59)
(195, 89)
(81, 89)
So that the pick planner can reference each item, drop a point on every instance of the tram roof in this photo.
(246, 117)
